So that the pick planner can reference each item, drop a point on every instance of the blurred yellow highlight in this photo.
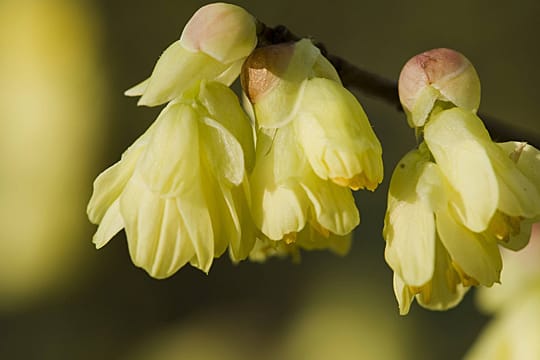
(50, 111)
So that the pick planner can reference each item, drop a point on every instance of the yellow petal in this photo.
(157, 241)
(334, 205)
(478, 257)
(336, 135)
(279, 204)
(109, 184)
(193, 206)
(278, 156)
(222, 151)
(457, 139)
(528, 159)
(170, 163)
(109, 226)
(223, 106)
(138, 89)
(519, 193)
(242, 238)
(279, 210)
(177, 70)
(403, 294)
(422, 107)
(409, 228)
(324, 69)
(444, 290)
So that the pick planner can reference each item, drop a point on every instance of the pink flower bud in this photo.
(438, 74)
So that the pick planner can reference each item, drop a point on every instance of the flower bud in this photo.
(263, 69)
(437, 75)
(226, 32)
(213, 46)
(273, 77)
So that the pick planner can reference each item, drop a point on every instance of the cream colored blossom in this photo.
(213, 46)
(493, 193)
(459, 196)
(314, 142)
(451, 203)
(434, 257)
(287, 195)
(179, 191)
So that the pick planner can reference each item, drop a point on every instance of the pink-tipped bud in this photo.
(438, 74)
(224, 31)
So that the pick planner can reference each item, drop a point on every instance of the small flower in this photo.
(493, 192)
(459, 195)
(287, 195)
(437, 75)
(213, 46)
(434, 257)
(179, 191)
(314, 142)
(294, 83)
(451, 203)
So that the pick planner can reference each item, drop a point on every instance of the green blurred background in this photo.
(63, 68)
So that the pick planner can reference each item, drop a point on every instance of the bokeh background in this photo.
(64, 65)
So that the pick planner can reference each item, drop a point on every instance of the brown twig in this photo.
(376, 86)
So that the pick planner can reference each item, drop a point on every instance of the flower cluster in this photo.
(460, 195)
(314, 144)
(205, 177)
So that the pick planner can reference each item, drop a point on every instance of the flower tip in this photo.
(138, 89)
(438, 74)
(357, 182)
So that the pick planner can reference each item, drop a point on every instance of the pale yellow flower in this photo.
(179, 191)
(492, 193)
(314, 143)
(213, 46)
(294, 83)
(434, 258)
(287, 195)
(451, 203)
(460, 195)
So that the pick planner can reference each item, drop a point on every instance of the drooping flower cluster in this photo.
(457, 197)
(193, 184)
(180, 190)
(314, 144)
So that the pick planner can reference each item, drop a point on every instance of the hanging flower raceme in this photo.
(179, 191)
(314, 144)
(213, 46)
(453, 201)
